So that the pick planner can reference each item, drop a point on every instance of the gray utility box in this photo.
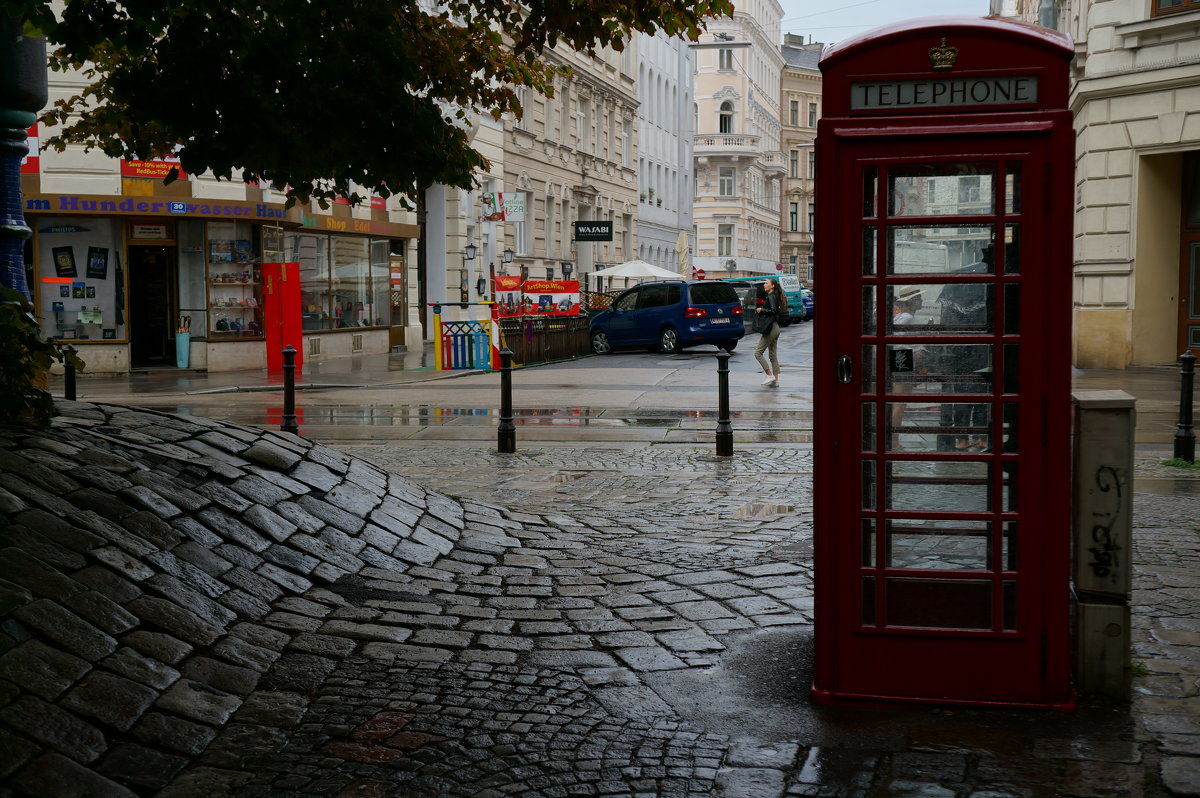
(1102, 555)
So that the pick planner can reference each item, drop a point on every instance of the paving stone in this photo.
(97, 608)
(53, 774)
(66, 628)
(272, 455)
(280, 709)
(129, 663)
(130, 763)
(141, 496)
(152, 529)
(117, 560)
(184, 595)
(244, 653)
(701, 610)
(285, 579)
(16, 752)
(223, 496)
(59, 530)
(206, 782)
(12, 596)
(370, 631)
(103, 580)
(110, 699)
(330, 514)
(174, 733)
(39, 545)
(116, 534)
(221, 675)
(271, 523)
(57, 728)
(157, 645)
(168, 615)
(198, 702)
(408, 653)
(745, 782)
(298, 672)
(41, 669)
(233, 530)
(297, 515)
(171, 490)
(40, 579)
(649, 658)
(253, 583)
(323, 645)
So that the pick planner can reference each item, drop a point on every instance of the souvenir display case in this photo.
(234, 282)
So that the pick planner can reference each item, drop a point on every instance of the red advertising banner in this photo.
(552, 297)
(30, 163)
(536, 297)
(156, 169)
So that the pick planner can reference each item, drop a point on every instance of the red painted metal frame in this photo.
(281, 313)
(870, 665)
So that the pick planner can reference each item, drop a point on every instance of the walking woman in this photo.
(766, 321)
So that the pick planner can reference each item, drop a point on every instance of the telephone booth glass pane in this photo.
(870, 192)
(925, 545)
(868, 250)
(939, 250)
(954, 189)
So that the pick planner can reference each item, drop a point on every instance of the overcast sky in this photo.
(829, 21)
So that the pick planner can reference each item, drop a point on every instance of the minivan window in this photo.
(653, 296)
(674, 291)
(629, 301)
(713, 294)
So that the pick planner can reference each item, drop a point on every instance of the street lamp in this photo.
(464, 292)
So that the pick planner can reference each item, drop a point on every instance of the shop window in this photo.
(380, 283)
(351, 282)
(311, 251)
(81, 281)
(234, 281)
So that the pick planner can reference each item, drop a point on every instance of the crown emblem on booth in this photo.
(943, 56)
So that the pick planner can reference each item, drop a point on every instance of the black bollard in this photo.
(1185, 436)
(289, 391)
(724, 430)
(69, 377)
(506, 435)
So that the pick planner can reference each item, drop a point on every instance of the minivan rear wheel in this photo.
(668, 340)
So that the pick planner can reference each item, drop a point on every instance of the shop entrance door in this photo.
(947, 541)
(152, 307)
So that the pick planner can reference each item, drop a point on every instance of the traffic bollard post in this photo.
(1185, 435)
(724, 429)
(289, 391)
(69, 377)
(506, 435)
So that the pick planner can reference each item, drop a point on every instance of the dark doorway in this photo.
(151, 306)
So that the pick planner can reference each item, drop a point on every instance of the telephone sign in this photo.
(943, 381)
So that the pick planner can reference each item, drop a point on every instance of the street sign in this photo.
(699, 274)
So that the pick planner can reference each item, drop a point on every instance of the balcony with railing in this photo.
(719, 144)
(773, 163)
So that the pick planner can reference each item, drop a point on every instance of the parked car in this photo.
(790, 284)
(809, 303)
(670, 315)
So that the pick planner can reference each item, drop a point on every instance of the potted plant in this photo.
(659, 202)
(642, 196)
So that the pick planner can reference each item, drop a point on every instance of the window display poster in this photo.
(91, 292)
(97, 263)
(220, 251)
(64, 261)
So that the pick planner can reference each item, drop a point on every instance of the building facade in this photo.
(573, 158)
(665, 139)
(141, 275)
(1136, 102)
(800, 98)
(739, 167)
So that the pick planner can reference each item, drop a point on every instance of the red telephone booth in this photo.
(281, 313)
(946, 157)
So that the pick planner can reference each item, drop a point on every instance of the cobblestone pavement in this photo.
(193, 608)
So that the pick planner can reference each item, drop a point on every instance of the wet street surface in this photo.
(196, 608)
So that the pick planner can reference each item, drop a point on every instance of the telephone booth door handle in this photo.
(845, 370)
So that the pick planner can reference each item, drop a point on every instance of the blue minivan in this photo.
(668, 316)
